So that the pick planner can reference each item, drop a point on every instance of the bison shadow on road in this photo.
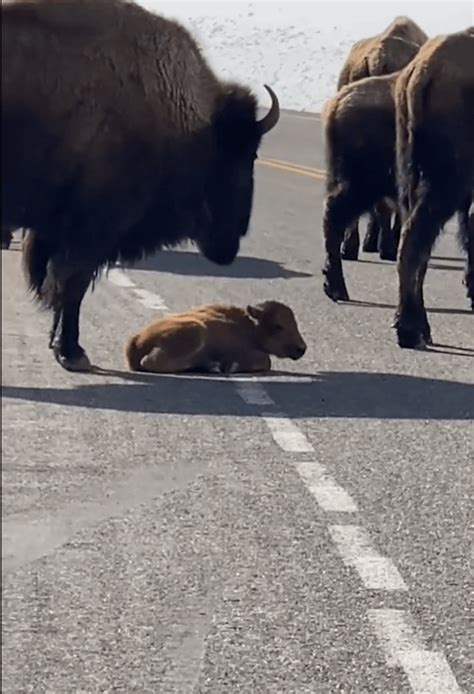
(348, 395)
(431, 265)
(192, 263)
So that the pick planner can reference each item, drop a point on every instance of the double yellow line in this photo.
(308, 171)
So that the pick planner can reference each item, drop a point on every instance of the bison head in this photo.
(236, 136)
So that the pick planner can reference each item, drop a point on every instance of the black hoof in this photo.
(78, 363)
(426, 334)
(370, 246)
(335, 293)
(409, 338)
(388, 254)
(350, 253)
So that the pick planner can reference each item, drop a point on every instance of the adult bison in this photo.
(434, 98)
(359, 123)
(117, 140)
(378, 55)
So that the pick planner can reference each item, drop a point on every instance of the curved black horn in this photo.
(271, 119)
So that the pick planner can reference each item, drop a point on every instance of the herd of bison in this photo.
(119, 140)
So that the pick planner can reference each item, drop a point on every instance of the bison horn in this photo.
(271, 119)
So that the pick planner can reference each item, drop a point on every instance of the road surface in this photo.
(298, 533)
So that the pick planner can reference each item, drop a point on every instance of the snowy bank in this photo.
(297, 47)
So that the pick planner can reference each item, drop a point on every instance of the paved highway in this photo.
(305, 532)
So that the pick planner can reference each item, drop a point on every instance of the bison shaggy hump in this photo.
(117, 140)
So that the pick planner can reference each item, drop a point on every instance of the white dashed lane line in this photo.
(148, 299)
(428, 672)
(376, 571)
(329, 495)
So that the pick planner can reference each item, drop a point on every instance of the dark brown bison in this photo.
(117, 140)
(434, 98)
(359, 123)
(378, 55)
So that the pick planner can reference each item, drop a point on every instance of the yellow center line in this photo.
(309, 171)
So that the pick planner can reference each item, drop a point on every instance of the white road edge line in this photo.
(427, 671)
(376, 571)
(329, 495)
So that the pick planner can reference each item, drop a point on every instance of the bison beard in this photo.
(117, 140)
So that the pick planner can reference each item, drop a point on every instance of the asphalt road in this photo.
(308, 533)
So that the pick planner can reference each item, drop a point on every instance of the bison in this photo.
(382, 54)
(117, 140)
(434, 98)
(217, 337)
(359, 122)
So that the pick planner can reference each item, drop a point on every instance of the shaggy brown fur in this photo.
(435, 166)
(217, 337)
(359, 123)
(118, 140)
(385, 53)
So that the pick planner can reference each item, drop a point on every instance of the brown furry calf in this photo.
(434, 97)
(218, 338)
(383, 54)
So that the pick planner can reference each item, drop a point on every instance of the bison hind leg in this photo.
(351, 244)
(371, 239)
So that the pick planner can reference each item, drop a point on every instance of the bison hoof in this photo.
(350, 253)
(370, 245)
(410, 339)
(388, 254)
(79, 362)
(336, 293)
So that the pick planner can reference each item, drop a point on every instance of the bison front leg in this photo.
(350, 246)
(66, 287)
(54, 326)
(339, 214)
(466, 233)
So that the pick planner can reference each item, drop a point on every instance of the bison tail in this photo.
(133, 355)
(410, 96)
(36, 253)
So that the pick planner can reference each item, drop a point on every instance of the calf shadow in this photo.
(346, 395)
(191, 263)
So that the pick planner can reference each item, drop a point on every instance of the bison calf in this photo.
(435, 166)
(217, 337)
(359, 124)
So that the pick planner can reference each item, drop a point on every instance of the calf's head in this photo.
(236, 136)
(277, 330)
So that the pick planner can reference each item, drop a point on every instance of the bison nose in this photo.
(299, 351)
